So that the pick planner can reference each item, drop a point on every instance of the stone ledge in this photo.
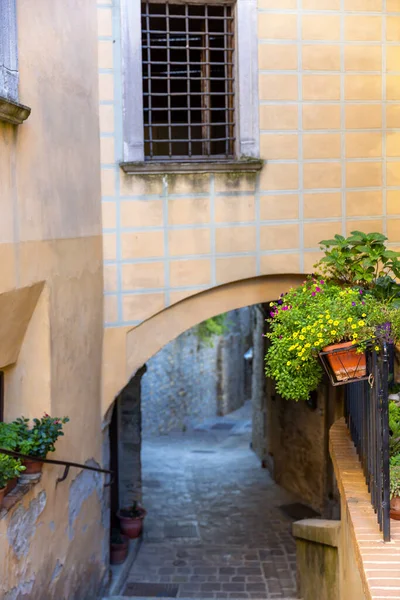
(179, 168)
(25, 484)
(378, 562)
(320, 531)
(13, 112)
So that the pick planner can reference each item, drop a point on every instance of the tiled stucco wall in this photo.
(329, 89)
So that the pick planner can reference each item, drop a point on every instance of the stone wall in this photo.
(189, 380)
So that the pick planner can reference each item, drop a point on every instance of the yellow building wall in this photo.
(53, 542)
(329, 88)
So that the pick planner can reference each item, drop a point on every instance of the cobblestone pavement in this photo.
(214, 528)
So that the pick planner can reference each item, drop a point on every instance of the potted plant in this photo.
(395, 492)
(39, 440)
(9, 439)
(131, 520)
(10, 469)
(119, 547)
(351, 303)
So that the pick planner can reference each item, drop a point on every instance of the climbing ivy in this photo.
(216, 326)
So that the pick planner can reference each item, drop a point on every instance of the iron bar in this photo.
(367, 417)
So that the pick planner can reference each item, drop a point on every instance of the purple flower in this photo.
(317, 289)
(353, 303)
(322, 282)
(363, 303)
(313, 294)
(272, 314)
(361, 292)
(284, 308)
(280, 302)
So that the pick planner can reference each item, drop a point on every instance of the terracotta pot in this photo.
(11, 485)
(32, 467)
(348, 364)
(119, 552)
(2, 494)
(395, 508)
(131, 527)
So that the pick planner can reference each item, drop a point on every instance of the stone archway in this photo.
(126, 350)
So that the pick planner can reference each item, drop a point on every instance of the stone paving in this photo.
(214, 527)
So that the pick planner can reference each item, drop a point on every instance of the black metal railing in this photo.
(367, 416)
(67, 464)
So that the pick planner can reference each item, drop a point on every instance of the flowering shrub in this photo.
(9, 469)
(313, 316)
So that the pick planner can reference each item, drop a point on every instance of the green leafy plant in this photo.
(9, 469)
(40, 439)
(9, 436)
(313, 316)
(394, 481)
(215, 326)
(362, 260)
(135, 511)
(394, 428)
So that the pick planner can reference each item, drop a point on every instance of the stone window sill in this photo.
(25, 484)
(13, 112)
(251, 165)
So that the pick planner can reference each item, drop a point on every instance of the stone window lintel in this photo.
(13, 112)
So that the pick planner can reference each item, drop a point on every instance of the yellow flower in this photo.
(341, 293)
(336, 323)
(304, 289)
(361, 323)
(308, 327)
(301, 337)
(288, 363)
(303, 330)
(320, 316)
(364, 315)
(350, 319)
(333, 332)
(295, 335)
(330, 322)
(354, 326)
(319, 335)
(307, 346)
(354, 342)
(377, 348)
(271, 303)
(292, 347)
(328, 317)
(303, 358)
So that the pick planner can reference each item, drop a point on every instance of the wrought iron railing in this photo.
(367, 408)
(67, 464)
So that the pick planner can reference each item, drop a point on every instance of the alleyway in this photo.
(214, 527)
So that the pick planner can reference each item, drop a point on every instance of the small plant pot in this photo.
(12, 484)
(32, 467)
(346, 362)
(119, 552)
(395, 508)
(131, 526)
(2, 494)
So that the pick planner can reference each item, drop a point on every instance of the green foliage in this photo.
(210, 328)
(9, 469)
(9, 436)
(313, 316)
(394, 427)
(41, 438)
(394, 481)
(362, 260)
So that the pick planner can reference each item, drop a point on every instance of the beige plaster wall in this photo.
(328, 94)
(50, 235)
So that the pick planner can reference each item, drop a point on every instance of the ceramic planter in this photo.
(346, 362)
(395, 508)
(32, 467)
(119, 552)
(2, 494)
(131, 526)
(11, 485)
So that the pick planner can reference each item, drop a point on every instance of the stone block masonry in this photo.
(189, 381)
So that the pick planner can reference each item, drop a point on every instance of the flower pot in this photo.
(32, 467)
(346, 362)
(2, 494)
(131, 526)
(119, 552)
(11, 485)
(395, 508)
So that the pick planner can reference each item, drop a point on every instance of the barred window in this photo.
(188, 53)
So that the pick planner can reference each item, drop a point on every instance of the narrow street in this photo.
(214, 528)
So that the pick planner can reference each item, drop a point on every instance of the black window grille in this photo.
(188, 80)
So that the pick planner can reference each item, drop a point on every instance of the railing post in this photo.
(385, 444)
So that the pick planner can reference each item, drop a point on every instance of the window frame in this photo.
(246, 77)
(9, 76)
